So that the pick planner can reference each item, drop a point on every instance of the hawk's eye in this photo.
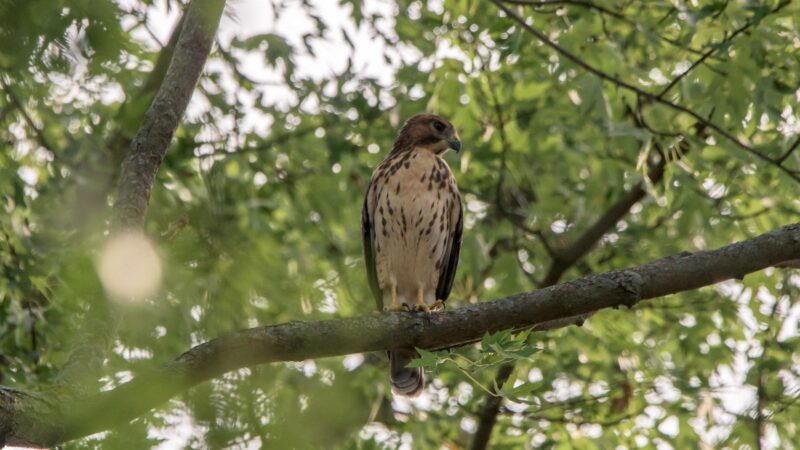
(439, 126)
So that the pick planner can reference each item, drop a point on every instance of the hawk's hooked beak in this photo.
(455, 144)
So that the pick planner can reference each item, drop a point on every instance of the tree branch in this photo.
(789, 151)
(561, 261)
(768, 335)
(162, 119)
(703, 57)
(28, 420)
(618, 15)
(568, 256)
(28, 119)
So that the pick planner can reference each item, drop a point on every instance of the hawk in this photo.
(411, 225)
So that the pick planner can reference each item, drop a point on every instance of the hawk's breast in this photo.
(414, 196)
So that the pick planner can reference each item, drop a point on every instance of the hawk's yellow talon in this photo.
(438, 305)
(422, 307)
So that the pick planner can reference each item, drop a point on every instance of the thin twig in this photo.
(583, 3)
(501, 125)
(705, 56)
(28, 119)
(609, 12)
(789, 151)
(768, 335)
(795, 175)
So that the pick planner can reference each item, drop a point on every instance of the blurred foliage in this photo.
(256, 213)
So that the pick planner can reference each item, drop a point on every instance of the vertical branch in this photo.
(564, 259)
(140, 166)
(119, 142)
(501, 126)
(165, 113)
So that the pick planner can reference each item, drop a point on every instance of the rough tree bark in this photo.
(28, 419)
(165, 113)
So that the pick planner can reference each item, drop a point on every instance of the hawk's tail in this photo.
(405, 380)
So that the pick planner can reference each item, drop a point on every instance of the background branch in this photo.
(795, 175)
(562, 260)
(570, 255)
(165, 113)
(487, 417)
(703, 57)
(28, 119)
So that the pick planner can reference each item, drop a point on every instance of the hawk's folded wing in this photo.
(368, 238)
(448, 271)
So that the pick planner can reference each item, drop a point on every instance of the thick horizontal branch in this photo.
(297, 341)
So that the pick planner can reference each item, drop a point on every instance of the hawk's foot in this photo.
(397, 306)
(436, 306)
(422, 307)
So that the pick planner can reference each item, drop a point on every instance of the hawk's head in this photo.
(428, 131)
